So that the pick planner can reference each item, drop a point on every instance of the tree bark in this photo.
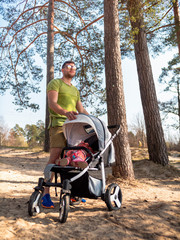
(114, 90)
(155, 136)
(178, 93)
(177, 25)
(50, 65)
(177, 21)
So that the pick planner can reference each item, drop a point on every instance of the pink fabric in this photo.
(78, 155)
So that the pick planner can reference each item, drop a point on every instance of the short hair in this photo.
(64, 64)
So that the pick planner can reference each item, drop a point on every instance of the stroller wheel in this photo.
(34, 205)
(64, 208)
(113, 197)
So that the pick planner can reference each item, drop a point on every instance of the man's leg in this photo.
(46, 199)
(57, 143)
(54, 155)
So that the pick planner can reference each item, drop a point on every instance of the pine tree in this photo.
(114, 90)
(155, 136)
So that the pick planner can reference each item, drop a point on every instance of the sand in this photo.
(150, 207)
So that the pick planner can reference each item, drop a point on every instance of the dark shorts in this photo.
(57, 139)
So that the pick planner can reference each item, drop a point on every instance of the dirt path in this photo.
(150, 210)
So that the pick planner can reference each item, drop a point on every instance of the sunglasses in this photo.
(70, 67)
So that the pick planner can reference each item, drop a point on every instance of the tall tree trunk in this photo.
(155, 136)
(177, 21)
(50, 65)
(178, 93)
(177, 25)
(114, 89)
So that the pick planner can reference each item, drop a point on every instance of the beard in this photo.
(69, 74)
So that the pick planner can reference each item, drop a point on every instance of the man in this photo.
(64, 102)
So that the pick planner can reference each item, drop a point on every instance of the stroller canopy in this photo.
(85, 126)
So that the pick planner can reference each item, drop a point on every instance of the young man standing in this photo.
(64, 102)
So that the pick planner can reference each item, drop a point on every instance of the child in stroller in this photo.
(75, 158)
(76, 181)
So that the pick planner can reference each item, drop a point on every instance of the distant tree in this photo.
(11, 139)
(114, 90)
(35, 134)
(41, 132)
(18, 131)
(16, 137)
(155, 136)
(31, 134)
(3, 132)
(132, 139)
(138, 128)
(173, 143)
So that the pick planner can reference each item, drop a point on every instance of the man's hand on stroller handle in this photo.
(71, 115)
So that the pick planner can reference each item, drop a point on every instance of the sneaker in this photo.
(46, 201)
(62, 162)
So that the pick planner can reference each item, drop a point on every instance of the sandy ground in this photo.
(150, 209)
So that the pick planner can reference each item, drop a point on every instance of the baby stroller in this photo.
(77, 182)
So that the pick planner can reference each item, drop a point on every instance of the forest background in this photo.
(27, 127)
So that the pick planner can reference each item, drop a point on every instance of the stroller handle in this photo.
(113, 126)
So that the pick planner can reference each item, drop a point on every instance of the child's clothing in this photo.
(75, 158)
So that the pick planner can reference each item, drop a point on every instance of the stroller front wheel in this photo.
(64, 208)
(113, 197)
(34, 205)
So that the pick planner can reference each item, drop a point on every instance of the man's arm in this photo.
(52, 103)
(80, 108)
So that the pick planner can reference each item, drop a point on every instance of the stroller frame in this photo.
(72, 177)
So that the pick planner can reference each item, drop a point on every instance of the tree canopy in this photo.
(24, 40)
(78, 35)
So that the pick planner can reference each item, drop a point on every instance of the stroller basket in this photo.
(85, 186)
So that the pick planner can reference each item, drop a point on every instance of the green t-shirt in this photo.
(68, 96)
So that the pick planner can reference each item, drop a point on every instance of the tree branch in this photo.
(79, 14)
(15, 75)
(72, 8)
(163, 17)
(21, 3)
(96, 20)
(19, 18)
(21, 30)
(154, 4)
(169, 25)
(28, 47)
